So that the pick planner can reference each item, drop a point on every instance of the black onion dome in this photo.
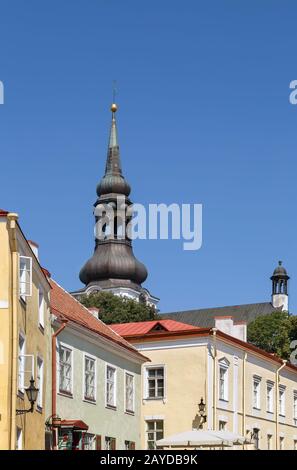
(113, 260)
(111, 183)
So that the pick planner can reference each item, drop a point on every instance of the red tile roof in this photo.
(3, 212)
(63, 305)
(145, 331)
(145, 327)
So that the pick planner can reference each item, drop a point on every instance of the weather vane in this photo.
(114, 90)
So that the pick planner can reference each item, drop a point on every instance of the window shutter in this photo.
(98, 442)
(132, 445)
(113, 444)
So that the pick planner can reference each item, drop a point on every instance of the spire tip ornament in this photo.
(113, 108)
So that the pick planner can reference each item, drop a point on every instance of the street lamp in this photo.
(203, 416)
(32, 393)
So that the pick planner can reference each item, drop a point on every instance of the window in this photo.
(19, 439)
(295, 444)
(269, 397)
(223, 382)
(110, 443)
(281, 443)
(129, 392)
(256, 392)
(41, 307)
(65, 363)
(155, 382)
(154, 432)
(281, 400)
(256, 438)
(129, 445)
(21, 363)
(110, 386)
(222, 425)
(25, 276)
(89, 441)
(269, 441)
(295, 407)
(90, 378)
(39, 378)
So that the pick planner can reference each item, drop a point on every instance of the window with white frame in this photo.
(41, 307)
(110, 443)
(90, 378)
(256, 438)
(281, 443)
(155, 382)
(21, 363)
(110, 386)
(295, 407)
(129, 392)
(154, 432)
(25, 276)
(19, 439)
(89, 441)
(222, 425)
(224, 379)
(65, 370)
(281, 400)
(39, 377)
(256, 392)
(129, 445)
(269, 397)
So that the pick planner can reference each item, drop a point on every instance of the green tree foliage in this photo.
(274, 333)
(116, 309)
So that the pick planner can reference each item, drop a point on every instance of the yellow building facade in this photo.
(25, 334)
(246, 390)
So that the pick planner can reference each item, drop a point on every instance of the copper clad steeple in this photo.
(113, 264)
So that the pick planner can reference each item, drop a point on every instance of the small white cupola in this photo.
(280, 280)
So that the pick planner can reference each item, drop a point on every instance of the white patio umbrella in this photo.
(200, 438)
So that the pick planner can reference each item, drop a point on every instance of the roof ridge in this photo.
(216, 308)
(91, 316)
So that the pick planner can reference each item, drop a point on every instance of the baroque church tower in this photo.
(113, 266)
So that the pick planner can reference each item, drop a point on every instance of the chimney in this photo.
(227, 325)
(94, 311)
(240, 330)
(34, 247)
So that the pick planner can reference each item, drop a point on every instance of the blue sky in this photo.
(204, 117)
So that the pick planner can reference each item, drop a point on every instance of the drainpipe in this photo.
(243, 395)
(276, 402)
(214, 416)
(54, 377)
(12, 219)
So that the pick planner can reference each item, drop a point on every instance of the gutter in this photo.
(54, 377)
(214, 385)
(12, 224)
(244, 395)
(276, 402)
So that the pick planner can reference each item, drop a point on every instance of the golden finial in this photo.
(114, 92)
(113, 108)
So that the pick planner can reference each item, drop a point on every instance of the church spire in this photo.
(113, 181)
(113, 138)
(113, 265)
